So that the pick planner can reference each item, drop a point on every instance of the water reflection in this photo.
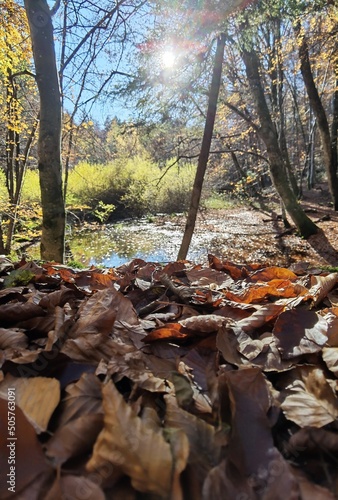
(114, 245)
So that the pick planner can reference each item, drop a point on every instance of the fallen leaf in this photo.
(309, 440)
(206, 323)
(271, 273)
(29, 459)
(128, 443)
(75, 438)
(308, 399)
(84, 397)
(204, 449)
(300, 332)
(99, 313)
(330, 356)
(13, 337)
(37, 397)
(76, 488)
(321, 286)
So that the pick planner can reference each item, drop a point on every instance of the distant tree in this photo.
(268, 133)
(328, 134)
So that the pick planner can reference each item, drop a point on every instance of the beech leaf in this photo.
(37, 397)
(308, 399)
(127, 442)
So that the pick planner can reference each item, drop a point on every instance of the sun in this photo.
(168, 58)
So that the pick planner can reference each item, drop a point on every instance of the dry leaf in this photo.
(330, 356)
(29, 459)
(300, 332)
(126, 442)
(37, 397)
(206, 323)
(308, 399)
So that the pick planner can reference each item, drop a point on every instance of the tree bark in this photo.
(269, 135)
(329, 156)
(49, 142)
(205, 148)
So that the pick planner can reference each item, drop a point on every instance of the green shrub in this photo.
(174, 190)
(125, 187)
(31, 187)
(133, 186)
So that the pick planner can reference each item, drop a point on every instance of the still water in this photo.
(113, 245)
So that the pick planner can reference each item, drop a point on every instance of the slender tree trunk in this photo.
(316, 104)
(277, 78)
(49, 142)
(334, 125)
(205, 148)
(269, 135)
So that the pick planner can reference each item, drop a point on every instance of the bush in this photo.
(174, 190)
(31, 187)
(133, 186)
(124, 188)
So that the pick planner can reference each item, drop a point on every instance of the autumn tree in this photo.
(328, 133)
(18, 115)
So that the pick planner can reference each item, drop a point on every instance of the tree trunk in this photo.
(268, 134)
(205, 148)
(322, 122)
(49, 142)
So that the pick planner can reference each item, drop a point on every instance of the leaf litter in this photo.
(174, 381)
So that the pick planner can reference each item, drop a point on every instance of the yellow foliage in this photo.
(15, 49)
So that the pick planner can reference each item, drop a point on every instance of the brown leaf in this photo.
(206, 323)
(236, 272)
(260, 352)
(263, 315)
(330, 356)
(250, 402)
(308, 399)
(274, 288)
(300, 332)
(251, 452)
(59, 298)
(172, 331)
(310, 490)
(179, 444)
(83, 397)
(75, 438)
(93, 348)
(331, 317)
(134, 367)
(224, 481)
(12, 338)
(128, 443)
(309, 440)
(204, 447)
(321, 286)
(208, 277)
(29, 462)
(99, 313)
(271, 273)
(75, 488)
(37, 397)
(13, 313)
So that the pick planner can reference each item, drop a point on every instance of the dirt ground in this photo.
(248, 234)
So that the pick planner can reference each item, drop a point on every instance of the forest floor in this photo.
(153, 381)
(256, 234)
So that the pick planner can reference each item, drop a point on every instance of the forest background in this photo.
(276, 122)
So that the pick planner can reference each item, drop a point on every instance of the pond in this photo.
(238, 235)
(115, 244)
